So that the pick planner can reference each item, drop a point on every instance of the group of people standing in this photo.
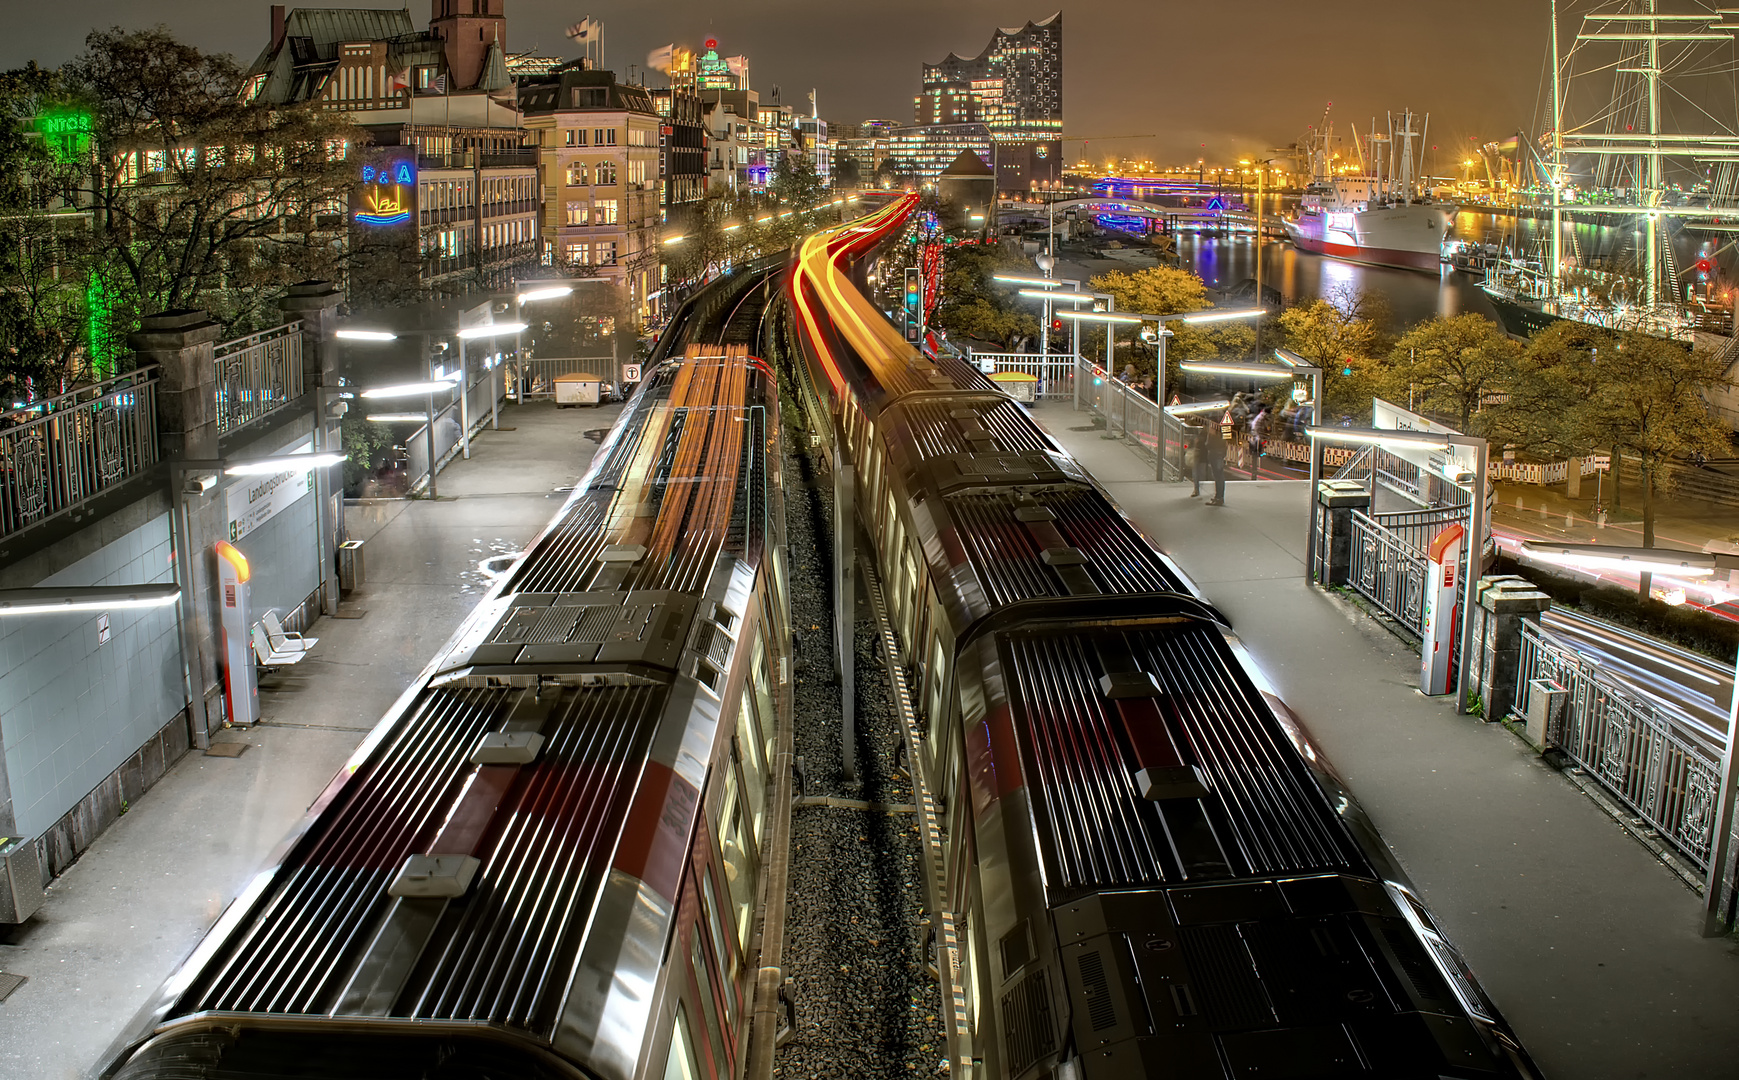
(1238, 433)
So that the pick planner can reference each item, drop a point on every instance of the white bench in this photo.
(268, 659)
(282, 640)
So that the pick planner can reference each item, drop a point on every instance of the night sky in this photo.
(1239, 76)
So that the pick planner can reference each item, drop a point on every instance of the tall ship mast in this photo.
(1380, 217)
(1626, 167)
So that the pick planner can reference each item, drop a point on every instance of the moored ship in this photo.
(1378, 218)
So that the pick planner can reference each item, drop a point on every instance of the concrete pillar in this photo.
(1505, 602)
(181, 344)
(1573, 483)
(1336, 500)
(316, 303)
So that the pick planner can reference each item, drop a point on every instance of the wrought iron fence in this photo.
(258, 375)
(1416, 528)
(59, 452)
(1653, 759)
(1389, 572)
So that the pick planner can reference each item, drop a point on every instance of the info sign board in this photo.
(255, 500)
(1456, 464)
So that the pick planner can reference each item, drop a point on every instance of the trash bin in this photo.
(20, 880)
(350, 572)
(1547, 701)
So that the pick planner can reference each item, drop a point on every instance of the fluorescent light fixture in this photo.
(491, 330)
(368, 335)
(411, 389)
(762, 220)
(549, 293)
(54, 601)
(1189, 407)
(1223, 316)
(733, 228)
(1017, 279)
(1293, 360)
(1040, 294)
(674, 239)
(1100, 316)
(282, 463)
(976, 217)
(1376, 438)
(397, 417)
(1679, 563)
(1254, 371)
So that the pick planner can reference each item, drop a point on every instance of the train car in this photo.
(1152, 870)
(544, 861)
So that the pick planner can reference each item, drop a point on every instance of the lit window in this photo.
(577, 174)
(605, 212)
(576, 213)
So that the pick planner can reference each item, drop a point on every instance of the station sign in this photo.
(1456, 464)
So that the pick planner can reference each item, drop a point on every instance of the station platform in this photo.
(117, 923)
(1587, 943)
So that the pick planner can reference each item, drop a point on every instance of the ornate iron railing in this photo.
(1389, 572)
(1656, 761)
(58, 453)
(257, 375)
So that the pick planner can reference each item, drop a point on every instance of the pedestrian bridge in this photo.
(1125, 207)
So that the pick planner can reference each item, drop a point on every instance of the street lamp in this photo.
(1689, 564)
(1193, 317)
(472, 333)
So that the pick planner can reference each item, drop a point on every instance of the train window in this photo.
(680, 1065)
(704, 985)
(938, 679)
(710, 898)
(754, 770)
(739, 858)
(764, 698)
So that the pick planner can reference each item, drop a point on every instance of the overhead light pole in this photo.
(1113, 318)
(472, 333)
(1684, 563)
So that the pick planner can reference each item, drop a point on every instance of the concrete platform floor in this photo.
(119, 921)
(1589, 946)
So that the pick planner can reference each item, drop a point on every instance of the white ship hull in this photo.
(1408, 237)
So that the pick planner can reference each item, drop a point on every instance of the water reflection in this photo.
(1410, 296)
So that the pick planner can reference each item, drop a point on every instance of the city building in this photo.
(1015, 89)
(736, 140)
(921, 153)
(813, 131)
(449, 185)
(682, 152)
(598, 142)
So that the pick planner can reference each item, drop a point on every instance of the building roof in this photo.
(554, 92)
(495, 76)
(967, 164)
(297, 66)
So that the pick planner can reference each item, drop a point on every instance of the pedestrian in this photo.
(1240, 414)
(1211, 458)
(1258, 430)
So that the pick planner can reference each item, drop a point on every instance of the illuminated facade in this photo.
(598, 143)
(1014, 88)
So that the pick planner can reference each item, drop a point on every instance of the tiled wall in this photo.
(72, 710)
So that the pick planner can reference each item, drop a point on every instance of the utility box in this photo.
(577, 388)
(20, 880)
(1017, 385)
(350, 569)
(1546, 704)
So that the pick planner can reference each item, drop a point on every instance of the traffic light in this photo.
(914, 306)
(1704, 267)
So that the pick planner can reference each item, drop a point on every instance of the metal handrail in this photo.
(1646, 754)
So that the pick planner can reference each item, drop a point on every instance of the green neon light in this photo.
(98, 319)
(67, 132)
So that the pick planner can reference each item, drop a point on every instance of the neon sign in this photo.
(66, 132)
(387, 193)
